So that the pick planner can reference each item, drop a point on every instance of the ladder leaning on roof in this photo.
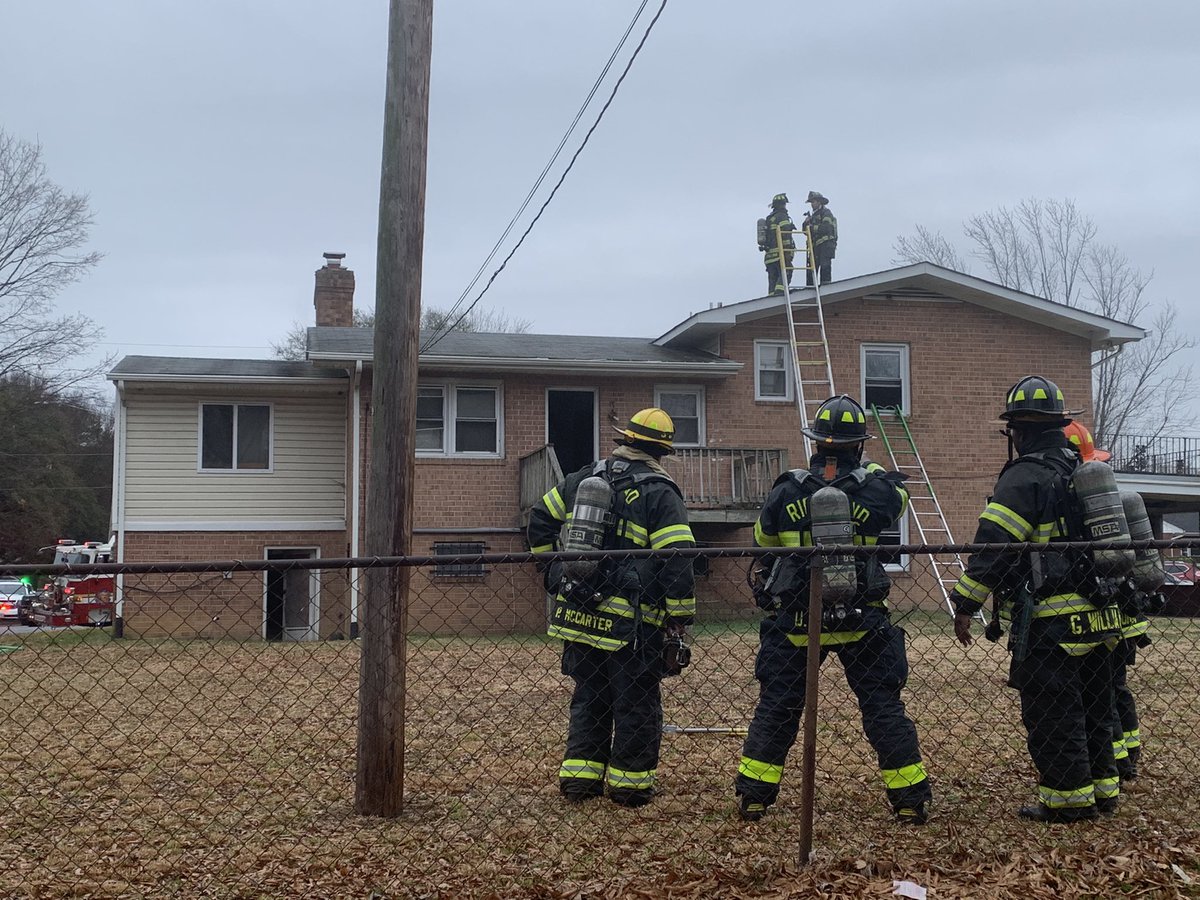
(922, 501)
(812, 370)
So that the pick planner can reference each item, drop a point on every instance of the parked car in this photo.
(12, 593)
(1181, 589)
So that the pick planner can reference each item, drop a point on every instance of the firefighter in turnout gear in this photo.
(823, 228)
(614, 619)
(1063, 624)
(1137, 597)
(859, 631)
(777, 270)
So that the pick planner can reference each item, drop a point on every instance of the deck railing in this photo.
(726, 477)
(1155, 455)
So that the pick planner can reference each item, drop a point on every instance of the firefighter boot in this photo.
(1129, 771)
(1043, 813)
(750, 810)
(1107, 806)
(629, 797)
(912, 815)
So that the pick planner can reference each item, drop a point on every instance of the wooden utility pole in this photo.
(379, 787)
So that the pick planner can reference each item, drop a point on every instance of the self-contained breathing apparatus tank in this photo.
(1148, 573)
(1099, 502)
(829, 510)
(762, 234)
(587, 530)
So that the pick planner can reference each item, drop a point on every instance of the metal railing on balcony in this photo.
(726, 477)
(1156, 455)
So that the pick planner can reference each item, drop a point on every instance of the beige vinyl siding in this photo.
(308, 459)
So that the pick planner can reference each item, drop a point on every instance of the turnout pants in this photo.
(1126, 734)
(824, 265)
(876, 669)
(616, 716)
(1066, 707)
(776, 273)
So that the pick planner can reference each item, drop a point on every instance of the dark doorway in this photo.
(571, 427)
(290, 606)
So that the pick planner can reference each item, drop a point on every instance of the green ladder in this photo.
(927, 513)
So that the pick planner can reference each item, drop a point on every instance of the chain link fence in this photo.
(205, 745)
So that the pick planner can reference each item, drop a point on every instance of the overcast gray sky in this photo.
(226, 145)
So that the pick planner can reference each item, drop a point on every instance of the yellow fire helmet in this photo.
(652, 426)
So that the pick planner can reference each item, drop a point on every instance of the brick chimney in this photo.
(334, 293)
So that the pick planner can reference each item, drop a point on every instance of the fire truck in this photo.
(77, 599)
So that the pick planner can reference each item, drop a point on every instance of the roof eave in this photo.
(716, 369)
(224, 379)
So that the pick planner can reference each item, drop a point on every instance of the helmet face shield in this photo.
(650, 426)
(839, 422)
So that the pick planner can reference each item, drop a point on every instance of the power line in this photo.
(636, 50)
(545, 171)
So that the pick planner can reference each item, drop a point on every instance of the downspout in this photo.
(355, 488)
(118, 508)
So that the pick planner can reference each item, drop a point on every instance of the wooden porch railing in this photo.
(726, 477)
(540, 471)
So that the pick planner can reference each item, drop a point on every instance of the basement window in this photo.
(459, 569)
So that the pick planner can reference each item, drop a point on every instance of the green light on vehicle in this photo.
(26, 580)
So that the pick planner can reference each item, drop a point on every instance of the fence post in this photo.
(808, 764)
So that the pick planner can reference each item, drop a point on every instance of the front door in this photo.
(292, 602)
(571, 426)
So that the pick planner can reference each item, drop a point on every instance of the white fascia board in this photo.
(140, 524)
(1161, 487)
(716, 369)
(1102, 331)
(335, 383)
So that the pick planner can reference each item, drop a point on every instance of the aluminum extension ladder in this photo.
(922, 500)
(812, 369)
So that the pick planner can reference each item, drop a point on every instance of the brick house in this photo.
(256, 459)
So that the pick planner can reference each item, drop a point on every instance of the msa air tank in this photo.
(1148, 574)
(1099, 501)
(588, 527)
(829, 510)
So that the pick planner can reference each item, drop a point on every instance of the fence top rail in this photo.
(372, 562)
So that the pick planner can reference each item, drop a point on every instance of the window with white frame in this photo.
(459, 420)
(685, 405)
(235, 437)
(885, 378)
(772, 371)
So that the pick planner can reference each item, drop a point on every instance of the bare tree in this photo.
(295, 343)
(927, 246)
(42, 228)
(1049, 248)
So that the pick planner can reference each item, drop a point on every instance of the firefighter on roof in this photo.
(857, 629)
(1060, 639)
(779, 219)
(823, 228)
(613, 616)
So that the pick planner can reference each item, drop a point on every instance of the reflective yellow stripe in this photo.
(903, 499)
(792, 539)
(681, 606)
(553, 502)
(828, 638)
(972, 589)
(1120, 751)
(581, 768)
(1082, 649)
(1061, 604)
(760, 771)
(1133, 738)
(1107, 788)
(672, 534)
(1044, 532)
(633, 532)
(582, 637)
(637, 781)
(763, 539)
(905, 776)
(620, 606)
(1135, 628)
(1056, 799)
(1008, 520)
(541, 548)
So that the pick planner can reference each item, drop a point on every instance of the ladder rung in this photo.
(812, 362)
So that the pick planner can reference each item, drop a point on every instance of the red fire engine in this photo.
(77, 599)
